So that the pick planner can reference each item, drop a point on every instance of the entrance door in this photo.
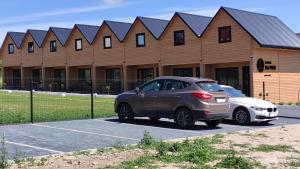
(228, 76)
(113, 79)
(183, 72)
(145, 75)
(60, 78)
(246, 80)
(36, 78)
(16, 78)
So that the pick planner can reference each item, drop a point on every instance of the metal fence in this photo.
(34, 101)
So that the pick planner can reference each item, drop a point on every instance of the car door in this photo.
(147, 98)
(170, 96)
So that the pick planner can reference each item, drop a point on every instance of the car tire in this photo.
(213, 123)
(184, 118)
(242, 116)
(125, 113)
(154, 118)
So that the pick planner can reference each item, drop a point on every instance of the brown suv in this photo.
(183, 99)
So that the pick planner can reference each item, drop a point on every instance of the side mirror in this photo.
(137, 90)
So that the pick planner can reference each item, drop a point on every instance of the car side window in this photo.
(154, 86)
(173, 85)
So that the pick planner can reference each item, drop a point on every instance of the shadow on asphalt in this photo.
(172, 125)
(164, 124)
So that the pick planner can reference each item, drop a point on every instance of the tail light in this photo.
(202, 95)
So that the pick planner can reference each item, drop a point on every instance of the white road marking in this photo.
(85, 132)
(34, 147)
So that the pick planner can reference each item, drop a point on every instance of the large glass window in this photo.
(228, 76)
(183, 72)
(224, 34)
(11, 48)
(107, 42)
(210, 86)
(178, 38)
(60, 78)
(53, 46)
(173, 85)
(140, 40)
(145, 75)
(154, 86)
(84, 75)
(30, 47)
(113, 79)
(78, 44)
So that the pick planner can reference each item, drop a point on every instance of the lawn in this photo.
(15, 107)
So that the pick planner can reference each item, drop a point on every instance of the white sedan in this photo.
(244, 110)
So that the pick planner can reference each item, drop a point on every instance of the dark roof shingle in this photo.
(62, 34)
(17, 38)
(88, 31)
(298, 34)
(38, 36)
(196, 23)
(268, 31)
(120, 29)
(155, 26)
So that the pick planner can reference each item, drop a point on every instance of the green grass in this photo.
(194, 154)
(15, 107)
(272, 148)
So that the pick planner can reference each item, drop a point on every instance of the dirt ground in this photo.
(245, 143)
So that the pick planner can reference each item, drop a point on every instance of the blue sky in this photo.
(19, 15)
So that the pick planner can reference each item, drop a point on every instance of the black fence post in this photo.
(31, 102)
(92, 100)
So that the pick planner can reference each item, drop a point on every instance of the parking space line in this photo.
(85, 132)
(33, 147)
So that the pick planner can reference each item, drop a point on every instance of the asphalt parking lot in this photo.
(59, 137)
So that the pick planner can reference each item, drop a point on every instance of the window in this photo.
(30, 47)
(144, 75)
(107, 42)
(178, 38)
(225, 34)
(176, 85)
(210, 86)
(11, 48)
(53, 46)
(78, 44)
(183, 72)
(140, 40)
(154, 86)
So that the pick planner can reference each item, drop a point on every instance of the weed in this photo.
(19, 157)
(143, 161)
(217, 139)
(294, 163)
(272, 148)
(118, 145)
(147, 140)
(86, 153)
(3, 154)
(42, 161)
(241, 145)
(290, 103)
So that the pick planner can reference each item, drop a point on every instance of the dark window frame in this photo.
(137, 40)
(104, 42)
(174, 37)
(51, 46)
(29, 44)
(76, 49)
(229, 34)
(13, 48)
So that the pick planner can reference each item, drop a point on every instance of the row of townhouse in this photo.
(253, 52)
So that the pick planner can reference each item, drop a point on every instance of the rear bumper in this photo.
(200, 115)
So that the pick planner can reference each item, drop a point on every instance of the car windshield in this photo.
(210, 86)
(232, 92)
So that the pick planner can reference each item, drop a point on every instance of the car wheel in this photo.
(154, 118)
(213, 123)
(242, 116)
(125, 113)
(184, 118)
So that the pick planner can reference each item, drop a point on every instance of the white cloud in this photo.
(36, 16)
(113, 2)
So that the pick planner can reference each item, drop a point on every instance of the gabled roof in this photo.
(38, 36)
(62, 34)
(119, 29)
(268, 31)
(196, 23)
(88, 31)
(298, 34)
(155, 26)
(17, 38)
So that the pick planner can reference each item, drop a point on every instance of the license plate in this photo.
(221, 100)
